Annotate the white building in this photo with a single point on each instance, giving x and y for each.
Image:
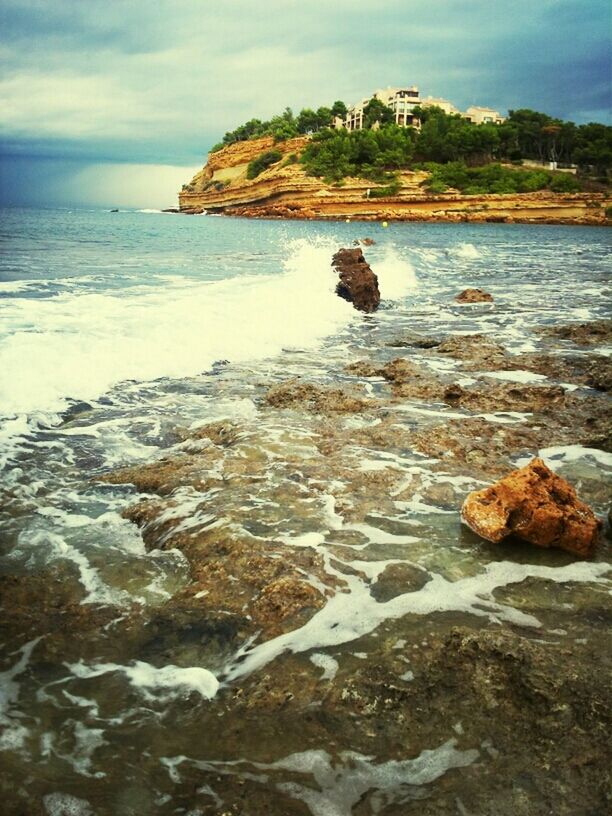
(481, 116)
(400, 100)
(403, 100)
(438, 102)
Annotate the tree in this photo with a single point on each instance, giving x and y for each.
(324, 117)
(307, 121)
(377, 111)
(339, 108)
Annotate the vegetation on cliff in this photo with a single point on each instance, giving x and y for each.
(262, 162)
(494, 178)
(382, 147)
(284, 126)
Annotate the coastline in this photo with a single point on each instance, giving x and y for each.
(285, 191)
(268, 547)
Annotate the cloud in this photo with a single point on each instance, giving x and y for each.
(131, 80)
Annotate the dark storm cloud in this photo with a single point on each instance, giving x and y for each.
(133, 80)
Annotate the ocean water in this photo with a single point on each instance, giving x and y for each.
(117, 328)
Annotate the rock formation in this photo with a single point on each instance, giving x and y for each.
(358, 284)
(536, 505)
(285, 191)
(474, 296)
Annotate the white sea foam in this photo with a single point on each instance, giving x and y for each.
(80, 345)
(342, 782)
(465, 250)
(350, 614)
(396, 276)
(516, 375)
(64, 804)
(326, 662)
(153, 683)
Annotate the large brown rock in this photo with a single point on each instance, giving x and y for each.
(535, 505)
(358, 284)
(474, 296)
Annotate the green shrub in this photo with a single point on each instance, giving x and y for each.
(389, 190)
(564, 183)
(262, 163)
(217, 147)
(493, 178)
(609, 213)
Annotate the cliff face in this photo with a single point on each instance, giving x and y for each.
(285, 191)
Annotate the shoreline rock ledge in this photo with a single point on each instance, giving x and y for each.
(535, 505)
(357, 284)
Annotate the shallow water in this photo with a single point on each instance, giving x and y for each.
(119, 328)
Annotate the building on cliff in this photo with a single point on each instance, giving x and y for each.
(402, 102)
(481, 116)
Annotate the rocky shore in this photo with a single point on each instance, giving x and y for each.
(396, 658)
(285, 191)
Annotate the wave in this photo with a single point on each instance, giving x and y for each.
(466, 251)
(78, 346)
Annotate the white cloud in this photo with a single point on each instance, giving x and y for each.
(124, 185)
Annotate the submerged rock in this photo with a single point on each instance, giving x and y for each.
(358, 284)
(536, 505)
(583, 334)
(474, 296)
(477, 350)
(294, 393)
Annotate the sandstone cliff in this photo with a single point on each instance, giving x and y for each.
(285, 191)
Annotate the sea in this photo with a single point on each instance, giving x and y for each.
(117, 328)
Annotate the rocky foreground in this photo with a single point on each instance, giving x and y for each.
(285, 191)
(464, 679)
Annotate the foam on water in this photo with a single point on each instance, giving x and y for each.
(153, 683)
(466, 251)
(350, 614)
(396, 275)
(78, 346)
(343, 781)
(64, 804)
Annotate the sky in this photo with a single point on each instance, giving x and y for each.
(116, 102)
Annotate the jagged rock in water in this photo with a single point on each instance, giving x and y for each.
(536, 505)
(358, 284)
(474, 296)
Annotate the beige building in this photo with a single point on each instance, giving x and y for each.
(403, 100)
(481, 116)
(400, 100)
(438, 102)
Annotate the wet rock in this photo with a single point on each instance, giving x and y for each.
(509, 397)
(414, 340)
(364, 368)
(401, 370)
(398, 579)
(598, 374)
(476, 349)
(535, 505)
(165, 475)
(474, 296)
(409, 380)
(474, 445)
(224, 434)
(286, 603)
(583, 334)
(294, 393)
(358, 284)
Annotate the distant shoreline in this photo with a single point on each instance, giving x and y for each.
(285, 191)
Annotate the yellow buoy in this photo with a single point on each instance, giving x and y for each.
(385, 224)
(348, 220)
